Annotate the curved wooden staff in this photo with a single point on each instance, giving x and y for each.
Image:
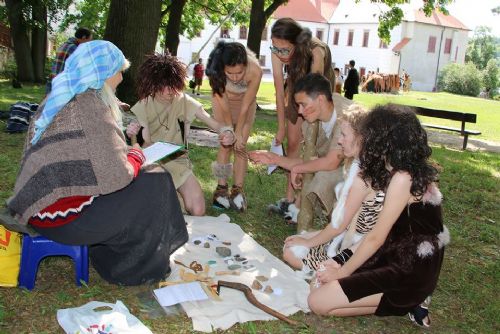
(251, 298)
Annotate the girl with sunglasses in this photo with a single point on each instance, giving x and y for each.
(295, 53)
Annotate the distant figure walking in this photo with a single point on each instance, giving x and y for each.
(351, 83)
(199, 70)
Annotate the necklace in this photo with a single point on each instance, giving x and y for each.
(158, 117)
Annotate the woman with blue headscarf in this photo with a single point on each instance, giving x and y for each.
(80, 184)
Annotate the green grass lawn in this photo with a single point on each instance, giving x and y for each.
(464, 301)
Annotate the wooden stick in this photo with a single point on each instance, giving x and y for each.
(251, 298)
(227, 272)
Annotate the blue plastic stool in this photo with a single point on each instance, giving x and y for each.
(34, 249)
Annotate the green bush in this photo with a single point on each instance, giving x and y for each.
(460, 79)
(490, 78)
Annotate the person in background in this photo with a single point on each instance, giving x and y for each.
(351, 83)
(82, 35)
(165, 113)
(339, 80)
(199, 71)
(80, 184)
(234, 74)
(295, 53)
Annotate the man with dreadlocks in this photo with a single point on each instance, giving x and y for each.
(165, 113)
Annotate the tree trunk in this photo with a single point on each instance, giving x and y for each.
(39, 41)
(306, 213)
(133, 27)
(258, 20)
(257, 25)
(19, 34)
(173, 28)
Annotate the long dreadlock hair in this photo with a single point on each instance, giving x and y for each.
(158, 72)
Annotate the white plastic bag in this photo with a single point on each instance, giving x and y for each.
(109, 318)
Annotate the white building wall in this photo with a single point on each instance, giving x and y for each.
(424, 66)
(372, 57)
(413, 58)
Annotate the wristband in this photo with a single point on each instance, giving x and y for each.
(230, 129)
(343, 256)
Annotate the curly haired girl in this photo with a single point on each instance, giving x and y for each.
(396, 266)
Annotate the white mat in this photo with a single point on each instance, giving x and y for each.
(210, 315)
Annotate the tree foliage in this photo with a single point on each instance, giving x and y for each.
(392, 17)
(462, 79)
(194, 13)
(91, 14)
(491, 80)
(481, 47)
(29, 21)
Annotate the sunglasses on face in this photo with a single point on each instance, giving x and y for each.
(282, 51)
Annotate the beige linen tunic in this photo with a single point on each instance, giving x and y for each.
(322, 186)
(163, 124)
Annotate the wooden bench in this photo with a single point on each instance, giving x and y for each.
(451, 115)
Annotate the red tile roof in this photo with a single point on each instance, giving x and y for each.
(439, 19)
(401, 44)
(307, 10)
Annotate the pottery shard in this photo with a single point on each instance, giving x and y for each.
(223, 251)
(227, 243)
(197, 242)
(262, 278)
(256, 285)
(206, 245)
(268, 289)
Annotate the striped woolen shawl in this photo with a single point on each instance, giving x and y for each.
(82, 152)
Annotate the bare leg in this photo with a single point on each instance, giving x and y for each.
(241, 156)
(192, 196)
(293, 137)
(330, 299)
(291, 259)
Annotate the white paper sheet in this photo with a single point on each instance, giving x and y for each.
(159, 150)
(278, 149)
(184, 292)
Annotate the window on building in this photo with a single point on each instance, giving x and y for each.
(346, 69)
(366, 35)
(447, 46)
(350, 37)
(362, 71)
(243, 32)
(382, 45)
(264, 34)
(456, 53)
(194, 57)
(336, 35)
(319, 34)
(224, 33)
(431, 47)
(262, 61)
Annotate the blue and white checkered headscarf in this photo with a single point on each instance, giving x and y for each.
(88, 67)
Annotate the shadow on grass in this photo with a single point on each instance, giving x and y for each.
(464, 301)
